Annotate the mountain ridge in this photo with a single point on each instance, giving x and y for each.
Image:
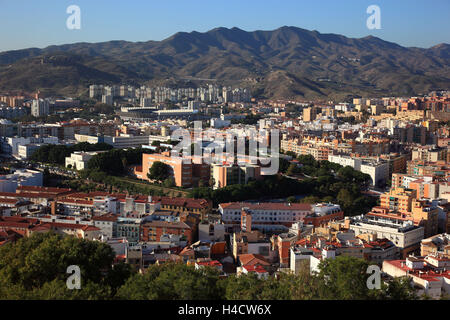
(305, 64)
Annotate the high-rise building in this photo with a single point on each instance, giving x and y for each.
(309, 114)
(228, 174)
(107, 99)
(40, 108)
(95, 91)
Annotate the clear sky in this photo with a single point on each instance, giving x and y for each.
(39, 23)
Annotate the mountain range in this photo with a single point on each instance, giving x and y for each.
(288, 62)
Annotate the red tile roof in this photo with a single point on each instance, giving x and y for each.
(252, 259)
(255, 268)
(42, 189)
(165, 224)
(213, 263)
(76, 202)
(426, 273)
(105, 217)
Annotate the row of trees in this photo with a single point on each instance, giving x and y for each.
(269, 187)
(56, 154)
(115, 161)
(36, 268)
(250, 119)
(332, 183)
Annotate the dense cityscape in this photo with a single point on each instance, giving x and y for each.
(158, 152)
(365, 180)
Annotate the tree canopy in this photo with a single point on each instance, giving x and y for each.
(159, 171)
(56, 154)
(36, 268)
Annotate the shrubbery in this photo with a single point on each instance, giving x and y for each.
(35, 268)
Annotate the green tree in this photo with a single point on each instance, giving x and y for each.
(399, 289)
(169, 182)
(245, 287)
(173, 281)
(292, 170)
(291, 199)
(159, 171)
(344, 278)
(35, 267)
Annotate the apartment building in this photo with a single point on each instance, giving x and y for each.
(211, 232)
(345, 161)
(401, 231)
(264, 216)
(310, 114)
(430, 274)
(398, 199)
(153, 231)
(429, 154)
(226, 174)
(251, 242)
(181, 170)
(377, 170)
(436, 245)
(79, 160)
(24, 177)
(40, 108)
(107, 223)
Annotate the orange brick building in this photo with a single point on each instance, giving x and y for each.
(184, 172)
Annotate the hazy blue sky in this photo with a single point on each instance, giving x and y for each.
(39, 23)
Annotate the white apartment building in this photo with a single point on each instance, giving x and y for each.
(402, 233)
(40, 108)
(106, 204)
(265, 216)
(78, 160)
(209, 232)
(87, 138)
(377, 170)
(11, 145)
(344, 161)
(26, 151)
(345, 107)
(298, 257)
(314, 261)
(127, 141)
(10, 182)
(107, 225)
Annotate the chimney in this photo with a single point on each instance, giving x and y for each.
(53, 208)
